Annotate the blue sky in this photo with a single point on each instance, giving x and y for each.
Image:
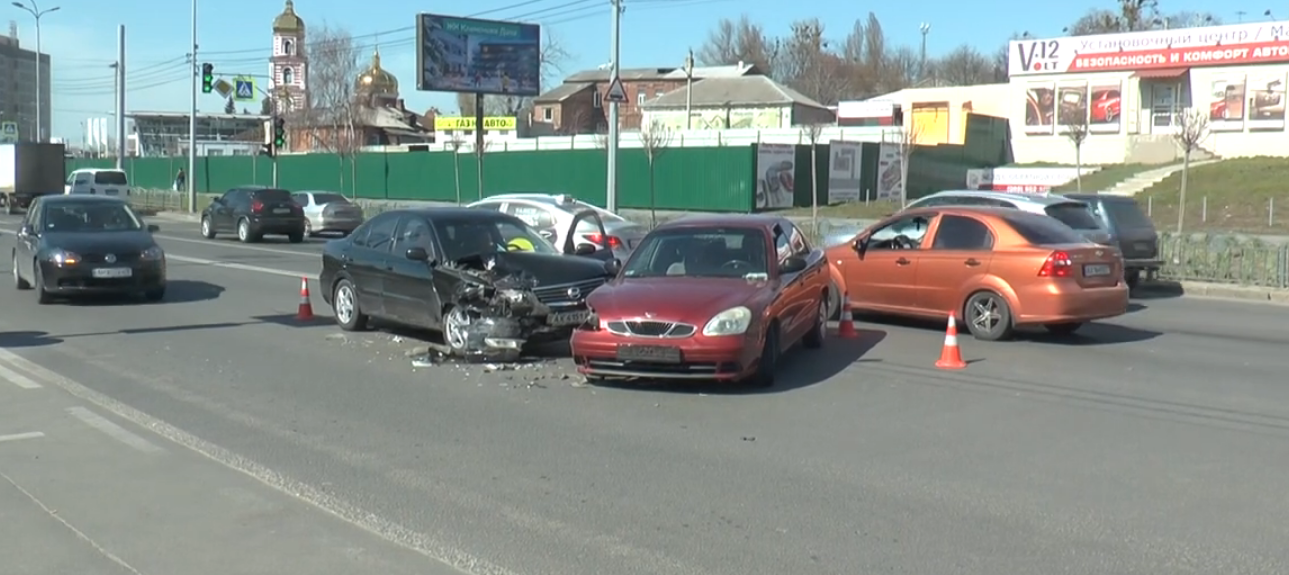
(236, 34)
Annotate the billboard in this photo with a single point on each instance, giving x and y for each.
(477, 56)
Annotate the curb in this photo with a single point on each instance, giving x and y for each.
(1263, 294)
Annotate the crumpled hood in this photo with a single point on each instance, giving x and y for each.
(547, 269)
(688, 300)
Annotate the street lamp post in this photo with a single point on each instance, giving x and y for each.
(36, 13)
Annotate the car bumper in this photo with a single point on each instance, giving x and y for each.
(267, 225)
(79, 279)
(1074, 304)
(702, 358)
(1142, 264)
(336, 224)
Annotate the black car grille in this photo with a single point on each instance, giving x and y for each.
(651, 328)
(569, 294)
(121, 258)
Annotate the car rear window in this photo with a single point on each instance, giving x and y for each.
(110, 178)
(272, 195)
(329, 199)
(1127, 214)
(1042, 231)
(1075, 215)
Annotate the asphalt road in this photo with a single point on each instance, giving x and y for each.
(1154, 443)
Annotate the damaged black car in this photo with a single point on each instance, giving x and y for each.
(489, 282)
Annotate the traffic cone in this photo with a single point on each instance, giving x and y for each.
(950, 356)
(846, 324)
(305, 312)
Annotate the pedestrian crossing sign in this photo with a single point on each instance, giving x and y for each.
(245, 89)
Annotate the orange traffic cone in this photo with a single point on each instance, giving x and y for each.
(305, 312)
(950, 356)
(846, 324)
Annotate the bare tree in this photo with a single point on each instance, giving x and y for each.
(1191, 131)
(654, 138)
(1076, 129)
(455, 145)
(334, 112)
(1137, 15)
(812, 132)
(906, 139)
(965, 66)
(734, 41)
(808, 64)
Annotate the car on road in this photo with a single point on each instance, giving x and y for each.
(98, 181)
(995, 268)
(489, 282)
(550, 215)
(75, 245)
(252, 212)
(328, 212)
(1073, 213)
(1130, 229)
(708, 297)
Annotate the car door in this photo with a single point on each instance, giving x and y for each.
(409, 285)
(25, 244)
(582, 219)
(369, 262)
(796, 298)
(882, 273)
(960, 252)
(221, 212)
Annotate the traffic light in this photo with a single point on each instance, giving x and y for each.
(207, 78)
(279, 133)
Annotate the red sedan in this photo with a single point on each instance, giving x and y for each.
(708, 297)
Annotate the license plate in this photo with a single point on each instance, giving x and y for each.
(281, 210)
(567, 318)
(111, 192)
(1094, 270)
(113, 273)
(650, 353)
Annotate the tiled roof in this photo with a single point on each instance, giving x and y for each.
(559, 93)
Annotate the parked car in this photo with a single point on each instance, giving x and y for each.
(486, 280)
(1073, 213)
(73, 245)
(253, 212)
(328, 212)
(550, 215)
(708, 297)
(98, 181)
(996, 268)
(1130, 229)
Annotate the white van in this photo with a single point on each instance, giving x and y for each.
(97, 181)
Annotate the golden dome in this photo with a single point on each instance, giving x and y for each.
(375, 80)
(287, 21)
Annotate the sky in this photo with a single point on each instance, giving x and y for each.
(235, 36)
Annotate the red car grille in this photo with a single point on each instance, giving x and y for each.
(651, 328)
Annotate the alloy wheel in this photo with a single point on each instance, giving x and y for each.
(986, 316)
(345, 307)
(455, 328)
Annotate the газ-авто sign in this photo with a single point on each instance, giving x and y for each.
(1256, 43)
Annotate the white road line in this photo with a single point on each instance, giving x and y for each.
(20, 436)
(209, 243)
(18, 379)
(113, 430)
(242, 267)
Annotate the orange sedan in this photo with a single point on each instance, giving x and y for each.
(996, 269)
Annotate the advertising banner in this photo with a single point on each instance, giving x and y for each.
(890, 172)
(477, 56)
(446, 123)
(843, 171)
(1267, 101)
(775, 173)
(1226, 104)
(1022, 180)
(1040, 108)
(1103, 109)
(1071, 105)
(1246, 43)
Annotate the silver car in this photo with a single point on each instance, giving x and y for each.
(1070, 212)
(328, 212)
(552, 214)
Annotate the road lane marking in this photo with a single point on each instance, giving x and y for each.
(242, 267)
(81, 534)
(18, 379)
(215, 243)
(21, 436)
(113, 430)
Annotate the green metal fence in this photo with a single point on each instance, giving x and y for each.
(1225, 259)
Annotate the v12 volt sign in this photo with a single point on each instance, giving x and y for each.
(1039, 55)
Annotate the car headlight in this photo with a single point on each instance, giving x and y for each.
(733, 321)
(64, 257)
(153, 253)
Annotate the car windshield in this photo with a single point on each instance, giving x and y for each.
(1127, 214)
(321, 199)
(1043, 231)
(90, 217)
(465, 237)
(110, 177)
(700, 252)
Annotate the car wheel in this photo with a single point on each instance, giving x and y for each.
(1063, 328)
(819, 329)
(42, 296)
(296, 237)
(456, 330)
(344, 305)
(988, 317)
(155, 294)
(308, 228)
(244, 231)
(18, 282)
(769, 362)
(1132, 278)
(834, 303)
(207, 229)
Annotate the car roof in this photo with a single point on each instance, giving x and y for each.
(79, 199)
(455, 213)
(1035, 199)
(762, 221)
(964, 210)
(1085, 197)
(92, 170)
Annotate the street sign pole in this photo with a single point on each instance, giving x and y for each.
(611, 193)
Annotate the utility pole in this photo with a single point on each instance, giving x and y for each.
(120, 97)
(925, 29)
(611, 194)
(191, 177)
(689, 90)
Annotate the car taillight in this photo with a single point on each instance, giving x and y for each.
(296, 209)
(257, 206)
(614, 242)
(1057, 265)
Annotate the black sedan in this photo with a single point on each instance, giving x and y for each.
(82, 245)
(485, 279)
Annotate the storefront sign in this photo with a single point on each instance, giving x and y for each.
(443, 124)
(1254, 43)
(1023, 180)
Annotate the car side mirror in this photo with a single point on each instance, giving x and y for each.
(25, 230)
(860, 246)
(585, 249)
(153, 228)
(613, 267)
(216, 201)
(417, 254)
(792, 265)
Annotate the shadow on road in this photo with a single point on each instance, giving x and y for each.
(12, 339)
(177, 291)
(1092, 334)
(1159, 289)
(276, 241)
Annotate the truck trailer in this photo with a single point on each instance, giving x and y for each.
(29, 170)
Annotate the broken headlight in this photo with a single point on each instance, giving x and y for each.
(513, 295)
